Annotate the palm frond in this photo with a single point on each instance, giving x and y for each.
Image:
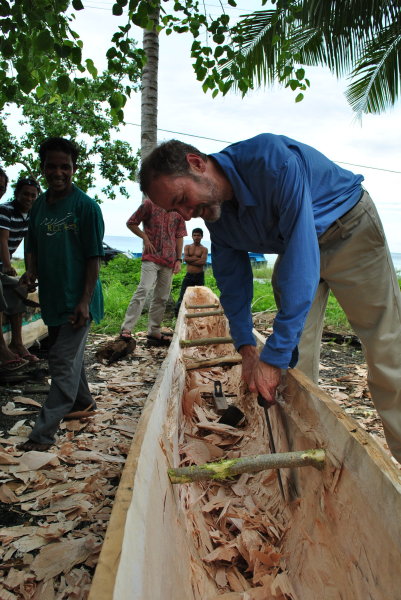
(357, 36)
(376, 79)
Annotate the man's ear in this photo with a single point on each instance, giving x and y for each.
(197, 163)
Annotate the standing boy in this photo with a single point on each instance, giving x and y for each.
(64, 249)
(195, 256)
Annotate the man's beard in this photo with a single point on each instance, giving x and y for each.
(210, 209)
(213, 213)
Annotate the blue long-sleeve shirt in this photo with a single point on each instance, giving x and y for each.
(286, 194)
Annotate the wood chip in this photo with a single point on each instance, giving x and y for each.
(60, 557)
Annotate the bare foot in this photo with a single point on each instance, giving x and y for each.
(31, 445)
(6, 355)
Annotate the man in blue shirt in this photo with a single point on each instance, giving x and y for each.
(272, 194)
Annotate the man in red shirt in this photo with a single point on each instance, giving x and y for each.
(163, 234)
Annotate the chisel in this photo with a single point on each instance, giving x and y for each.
(266, 405)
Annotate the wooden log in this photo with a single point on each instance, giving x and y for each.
(213, 362)
(202, 306)
(209, 313)
(249, 464)
(206, 341)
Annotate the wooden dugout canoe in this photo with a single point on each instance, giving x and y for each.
(337, 536)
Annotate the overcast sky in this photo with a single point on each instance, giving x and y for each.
(323, 120)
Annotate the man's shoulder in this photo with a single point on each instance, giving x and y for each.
(85, 203)
(146, 209)
(82, 196)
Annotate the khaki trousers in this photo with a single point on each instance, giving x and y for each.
(356, 265)
(152, 276)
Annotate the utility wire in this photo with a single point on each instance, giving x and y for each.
(202, 137)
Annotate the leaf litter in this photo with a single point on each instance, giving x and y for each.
(56, 504)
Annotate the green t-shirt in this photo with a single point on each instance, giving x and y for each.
(63, 236)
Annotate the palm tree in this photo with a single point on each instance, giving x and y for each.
(149, 95)
(354, 38)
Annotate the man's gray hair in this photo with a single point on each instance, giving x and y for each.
(170, 158)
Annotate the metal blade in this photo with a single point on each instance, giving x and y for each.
(262, 402)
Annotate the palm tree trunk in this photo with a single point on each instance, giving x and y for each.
(149, 88)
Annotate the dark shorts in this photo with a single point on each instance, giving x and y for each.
(11, 302)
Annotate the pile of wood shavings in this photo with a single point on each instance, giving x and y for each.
(235, 527)
(63, 498)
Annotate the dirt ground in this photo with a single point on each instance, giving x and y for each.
(55, 505)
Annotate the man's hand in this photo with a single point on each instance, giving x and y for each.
(148, 247)
(259, 376)
(9, 271)
(80, 317)
(177, 267)
(28, 279)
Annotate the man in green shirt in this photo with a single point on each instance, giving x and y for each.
(64, 249)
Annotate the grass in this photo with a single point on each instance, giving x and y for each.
(121, 276)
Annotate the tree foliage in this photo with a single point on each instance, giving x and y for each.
(41, 55)
(89, 123)
(354, 38)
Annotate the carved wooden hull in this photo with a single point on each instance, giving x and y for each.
(33, 327)
(337, 534)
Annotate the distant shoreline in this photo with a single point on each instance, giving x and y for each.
(134, 244)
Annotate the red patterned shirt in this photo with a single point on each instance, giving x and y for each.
(162, 229)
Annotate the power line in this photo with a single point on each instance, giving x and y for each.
(202, 137)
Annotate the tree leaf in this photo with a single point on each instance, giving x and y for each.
(63, 84)
(77, 5)
(91, 67)
(26, 82)
(44, 41)
(40, 92)
(117, 100)
(117, 10)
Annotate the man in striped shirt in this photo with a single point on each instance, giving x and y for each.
(13, 228)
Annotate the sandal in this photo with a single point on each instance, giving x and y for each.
(29, 357)
(12, 365)
(155, 341)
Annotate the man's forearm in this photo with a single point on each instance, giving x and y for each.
(91, 276)
(178, 246)
(30, 264)
(196, 261)
(136, 230)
